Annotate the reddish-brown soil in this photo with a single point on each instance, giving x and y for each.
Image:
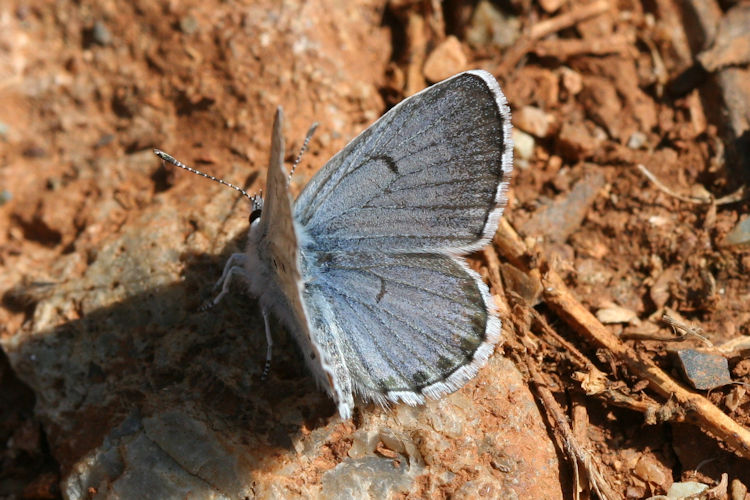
(87, 89)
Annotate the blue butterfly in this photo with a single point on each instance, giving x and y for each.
(365, 267)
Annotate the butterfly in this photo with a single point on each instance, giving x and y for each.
(364, 268)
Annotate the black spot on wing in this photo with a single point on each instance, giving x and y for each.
(389, 161)
(381, 293)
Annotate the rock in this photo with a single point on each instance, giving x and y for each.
(369, 477)
(551, 6)
(188, 24)
(575, 142)
(599, 97)
(737, 490)
(101, 34)
(490, 26)
(686, 489)
(740, 235)
(637, 140)
(571, 80)
(616, 314)
(650, 470)
(704, 370)
(445, 60)
(523, 147)
(533, 120)
(527, 286)
(660, 291)
(731, 46)
(556, 221)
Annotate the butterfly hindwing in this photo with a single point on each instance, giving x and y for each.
(408, 325)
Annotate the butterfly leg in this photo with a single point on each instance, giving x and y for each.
(235, 267)
(234, 260)
(269, 342)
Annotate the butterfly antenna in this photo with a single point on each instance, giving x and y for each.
(302, 150)
(171, 159)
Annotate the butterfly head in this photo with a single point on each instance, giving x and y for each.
(257, 207)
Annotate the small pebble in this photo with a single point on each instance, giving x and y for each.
(737, 490)
(101, 34)
(575, 142)
(649, 470)
(53, 183)
(489, 25)
(5, 196)
(616, 314)
(188, 24)
(740, 235)
(523, 144)
(533, 120)
(637, 140)
(571, 80)
(686, 489)
(704, 370)
(551, 6)
(34, 152)
(104, 140)
(446, 60)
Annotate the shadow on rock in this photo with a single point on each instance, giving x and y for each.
(143, 396)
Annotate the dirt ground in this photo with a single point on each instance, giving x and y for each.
(632, 150)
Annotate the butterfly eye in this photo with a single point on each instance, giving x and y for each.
(255, 214)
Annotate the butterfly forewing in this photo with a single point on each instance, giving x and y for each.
(280, 245)
(429, 175)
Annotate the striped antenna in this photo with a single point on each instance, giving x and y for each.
(302, 150)
(254, 199)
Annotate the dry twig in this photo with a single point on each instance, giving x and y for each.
(601, 387)
(703, 412)
(577, 14)
(735, 197)
(680, 328)
(541, 29)
(579, 455)
(662, 187)
(685, 330)
(567, 48)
